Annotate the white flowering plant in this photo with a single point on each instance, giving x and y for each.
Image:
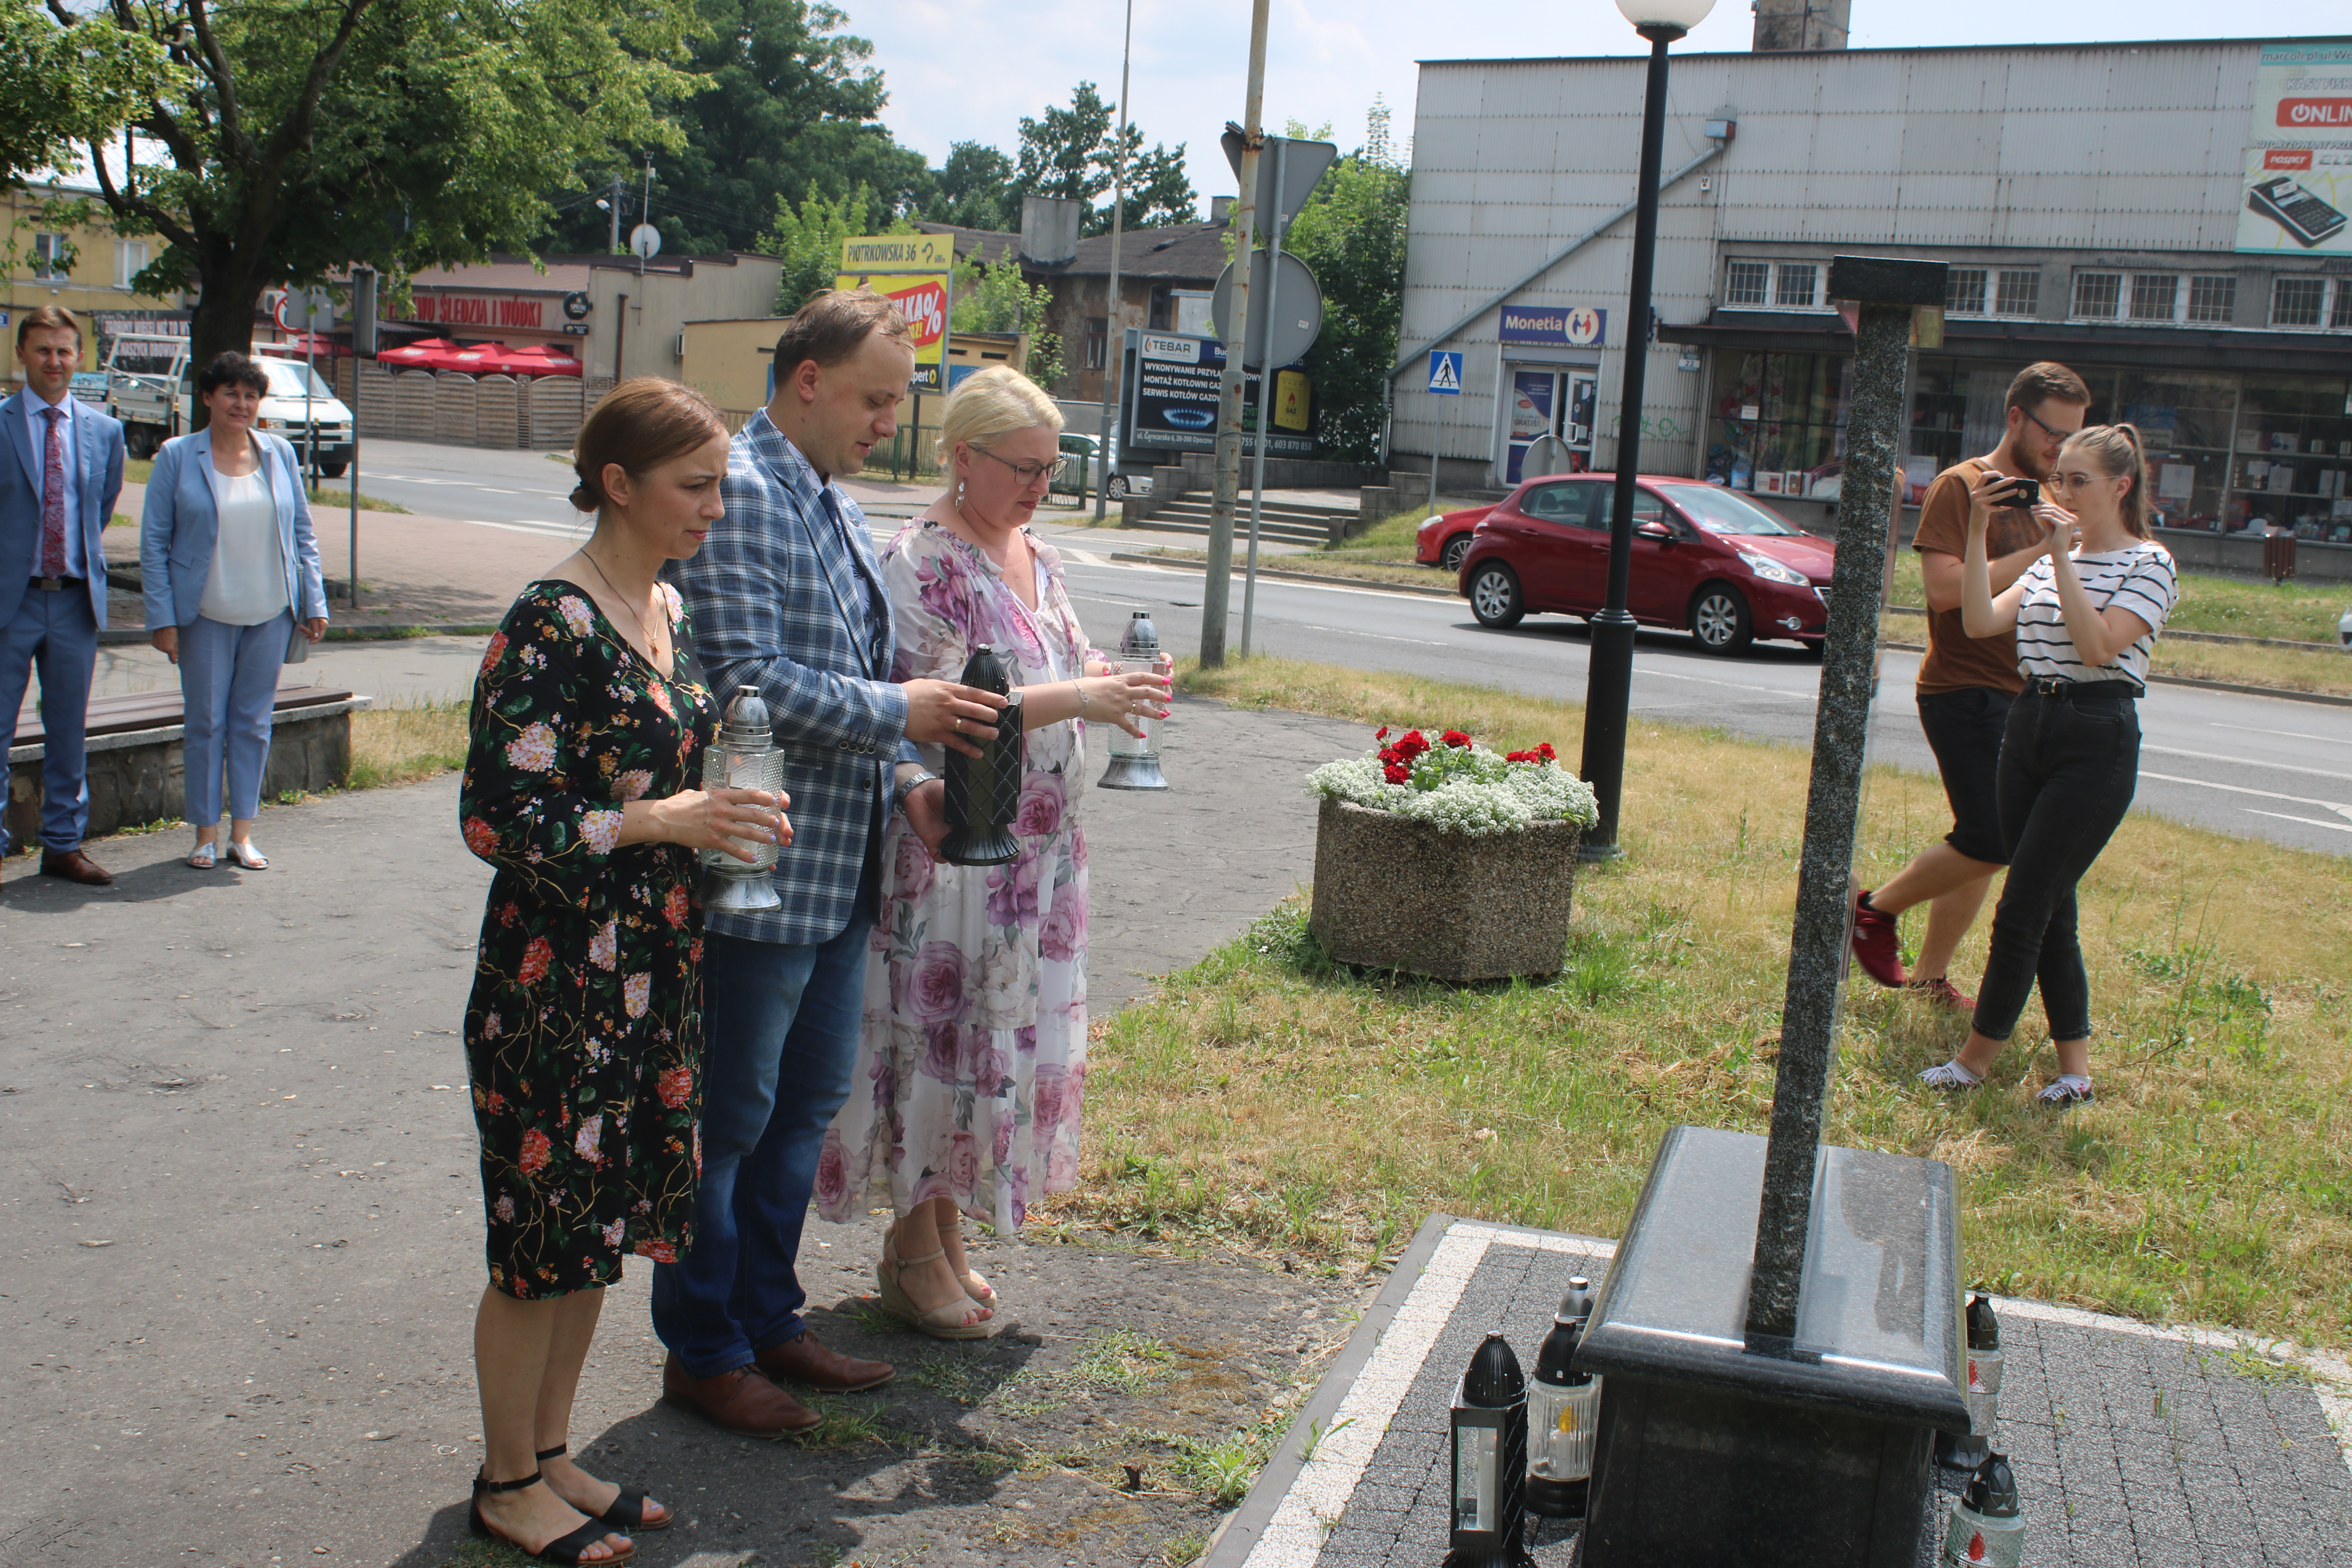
(1458, 786)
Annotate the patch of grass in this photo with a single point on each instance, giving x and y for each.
(2295, 610)
(1327, 564)
(2323, 670)
(1181, 1551)
(1270, 1098)
(139, 471)
(404, 742)
(1120, 1360)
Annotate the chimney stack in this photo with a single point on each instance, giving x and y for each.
(1220, 209)
(1786, 25)
(1049, 228)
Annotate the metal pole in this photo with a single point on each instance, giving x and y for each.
(615, 202)
(1111, 354)
(1609, 680)
(1216, 593)
(1266, 383)
(309, 376)
(353, 561)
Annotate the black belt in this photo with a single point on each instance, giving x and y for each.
(58, 584)
(2086, 690)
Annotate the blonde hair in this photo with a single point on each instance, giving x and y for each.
(2117, 450)
(995, 401)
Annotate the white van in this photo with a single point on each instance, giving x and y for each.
(151, 388)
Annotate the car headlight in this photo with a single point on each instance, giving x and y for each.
(1771, 570)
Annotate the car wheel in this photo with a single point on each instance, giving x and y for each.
(1720, 621)
(1455, 549)
(1495, 596)
(1118, 487)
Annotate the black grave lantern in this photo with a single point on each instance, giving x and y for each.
(984, 792)
(1490, 1457)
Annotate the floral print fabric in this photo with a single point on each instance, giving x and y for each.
(972, 1065)
(583, 1033)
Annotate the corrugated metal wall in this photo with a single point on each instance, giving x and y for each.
(2097, 147)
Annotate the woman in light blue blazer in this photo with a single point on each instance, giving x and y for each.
(229, 563)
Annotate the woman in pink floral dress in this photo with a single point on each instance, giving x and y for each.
(973, 1063)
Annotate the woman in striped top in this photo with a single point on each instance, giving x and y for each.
(2086, 621)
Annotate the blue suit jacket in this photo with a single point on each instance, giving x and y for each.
(783, 600)
(97, 448)
(180, 529)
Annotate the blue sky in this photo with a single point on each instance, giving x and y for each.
(969, 69)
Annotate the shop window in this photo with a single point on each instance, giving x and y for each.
(2021, 294)
(2293, 465)
(1798, 282)
(2342, 315)
(2154, 296)
(2097, 294)
(1749, 283)
(1098, 340)
(129, 260)
(2212, 299)
(2298, 301)
(51, 256)
(1777, 422)
(1964, 291)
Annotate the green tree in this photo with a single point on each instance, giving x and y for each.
(1072, 154)
(784, 104)
(67, 80)
(999, 299)
(319, 133)
(807, 239)
(976, 189)
(1351, 234)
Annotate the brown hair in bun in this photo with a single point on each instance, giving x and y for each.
(643, 422)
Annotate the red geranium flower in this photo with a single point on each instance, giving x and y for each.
(1412, 744)
(1455, 738)
(1546, 753)
(1382, 733)
(1397, 774)
(1391, 755)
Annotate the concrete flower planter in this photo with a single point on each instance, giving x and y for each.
(1394, 893)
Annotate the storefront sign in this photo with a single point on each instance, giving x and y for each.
(475, 311)
(1573, 326)
(916, 272)
(1174, 405)
(2297, 199)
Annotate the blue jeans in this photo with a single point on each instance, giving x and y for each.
(775, 1016)
(55, 634)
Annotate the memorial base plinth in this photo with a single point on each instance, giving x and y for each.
(1718, 1450)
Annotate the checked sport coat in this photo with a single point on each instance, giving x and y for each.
(786, 595)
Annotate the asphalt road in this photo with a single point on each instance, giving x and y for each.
(2264, 767)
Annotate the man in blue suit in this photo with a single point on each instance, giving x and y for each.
(59, 477)
(787, 599)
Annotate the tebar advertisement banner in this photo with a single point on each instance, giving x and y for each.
(1174, 407)
(915, 270)
(2298, 181)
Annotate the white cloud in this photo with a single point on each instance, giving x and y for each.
(962, 70)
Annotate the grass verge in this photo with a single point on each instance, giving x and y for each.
(137, 471)
(1267, 1097)
(404, 742)
(2231, 606)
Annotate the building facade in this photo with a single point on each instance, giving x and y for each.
(2098, 205)
(86, 267)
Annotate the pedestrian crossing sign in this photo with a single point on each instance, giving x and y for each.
(1445, 372)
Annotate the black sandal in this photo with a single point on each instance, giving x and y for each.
(628, 1510)
(564, 1551)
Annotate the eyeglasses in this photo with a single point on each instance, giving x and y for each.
(2047, 428)
(2070, 481)
(1027, 473)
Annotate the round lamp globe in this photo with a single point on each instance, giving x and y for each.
(1679, 15)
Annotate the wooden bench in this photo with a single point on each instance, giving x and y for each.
(136, 773)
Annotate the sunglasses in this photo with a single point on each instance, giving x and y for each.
(1027, 473)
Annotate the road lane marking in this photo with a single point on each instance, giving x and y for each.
(2310, 821)
(2250, 763)
(2335, 806)
(2290, 734)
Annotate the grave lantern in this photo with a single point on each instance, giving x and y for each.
(744, 756)
(984, 792)
(1954, 1452)
(1490, 1457)
(1134, 762)
(1563, 1413)
(1986, 1530)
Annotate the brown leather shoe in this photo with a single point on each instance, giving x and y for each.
(742, 1401)
(76, 867)
(804, 1361)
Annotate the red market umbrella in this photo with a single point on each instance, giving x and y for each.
(537, 359)
(422, 354)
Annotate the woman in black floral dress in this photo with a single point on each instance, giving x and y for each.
(583, 1033)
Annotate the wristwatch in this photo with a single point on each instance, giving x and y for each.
(898, 795)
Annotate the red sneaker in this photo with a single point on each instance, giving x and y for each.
(1943, 994)
(1876, 943)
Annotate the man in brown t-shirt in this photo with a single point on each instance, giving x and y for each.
(1965, 687)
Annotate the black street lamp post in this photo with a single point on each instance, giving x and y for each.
(1609, 679)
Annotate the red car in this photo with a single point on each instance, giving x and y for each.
(1705, 560)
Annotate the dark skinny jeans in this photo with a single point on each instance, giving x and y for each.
(2069, 763)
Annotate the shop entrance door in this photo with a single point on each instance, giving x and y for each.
(1554, 403)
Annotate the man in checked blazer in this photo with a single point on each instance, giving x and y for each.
(786, 598)
(60, 474)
